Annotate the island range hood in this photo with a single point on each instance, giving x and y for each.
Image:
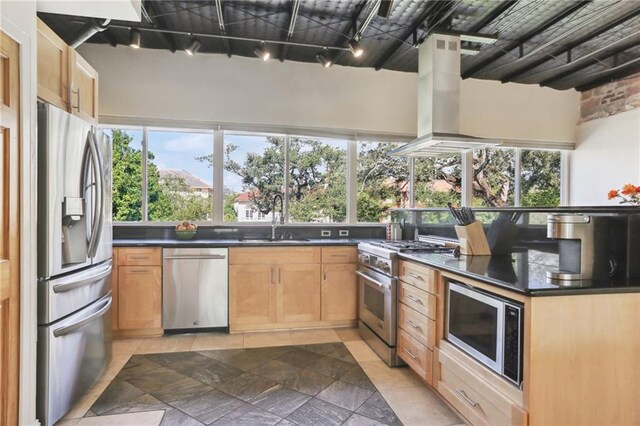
(439, 102)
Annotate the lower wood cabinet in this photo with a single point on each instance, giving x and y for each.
(298, 295)
(339, 292)
(252, 294)
(139, 297)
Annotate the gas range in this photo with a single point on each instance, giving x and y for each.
(381, 256)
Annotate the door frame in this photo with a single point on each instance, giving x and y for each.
(28, 231)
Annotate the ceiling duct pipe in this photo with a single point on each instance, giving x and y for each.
(88, 30)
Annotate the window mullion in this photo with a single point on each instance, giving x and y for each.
(145, 175)
(517, 178)
(467, 178)
(352, 184)
(218, 171)
(287, 176)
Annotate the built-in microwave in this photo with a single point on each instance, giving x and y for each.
(487, 327)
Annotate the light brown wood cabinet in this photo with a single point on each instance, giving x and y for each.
(65, 79)
(137, 291)
(289, 287)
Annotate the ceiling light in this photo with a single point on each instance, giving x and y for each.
(193, 47)
(471, 51)
(355, 48)
(478, 38)
(134, 38)
(261, 52)
(323, 58)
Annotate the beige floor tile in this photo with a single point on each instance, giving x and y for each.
(419, 406)
(147, 418)
(268, 338)
(126, 346)
(385, 377)
(309, 337)
(82, 406)
(69, 422)
(211, 341)
(177, 343)
(361, 351)
(348, 334)
(114, 367)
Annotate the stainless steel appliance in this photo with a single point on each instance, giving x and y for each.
(74, 260)
(378, 282)
(487, 327)
(195, 289)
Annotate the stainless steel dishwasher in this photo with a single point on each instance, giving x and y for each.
(195, 289)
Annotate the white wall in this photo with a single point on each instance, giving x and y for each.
(607, 156)
(18, 20)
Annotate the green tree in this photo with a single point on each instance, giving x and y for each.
(230, 215)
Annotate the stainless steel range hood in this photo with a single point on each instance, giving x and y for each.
(439, 102)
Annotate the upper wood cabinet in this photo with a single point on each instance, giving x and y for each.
(65, 79)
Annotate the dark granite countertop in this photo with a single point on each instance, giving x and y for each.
(168, 242)
(523, 272)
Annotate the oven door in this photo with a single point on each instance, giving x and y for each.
(475, 323)
(377, 308)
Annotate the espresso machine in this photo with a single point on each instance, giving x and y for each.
(588, 246)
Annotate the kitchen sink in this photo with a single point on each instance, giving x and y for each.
(269, 240)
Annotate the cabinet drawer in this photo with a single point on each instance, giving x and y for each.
(140, 256)
(421, 301)
(339, 254)
(273, 255)
(418, 356)
(418, 275)
(473, 397)
(417, 325)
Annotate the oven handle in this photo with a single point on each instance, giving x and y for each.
(368, 278)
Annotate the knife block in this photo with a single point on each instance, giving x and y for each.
(473, 240)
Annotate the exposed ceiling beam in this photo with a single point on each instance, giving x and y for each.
(408, 33)
(293, 16)
(569, 46)
(223, 31)
(149, 10)
(352, 30)
(582, 63)
(497, 11)
(501, 51)
(616, 73)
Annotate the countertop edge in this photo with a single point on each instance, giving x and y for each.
(229, 243)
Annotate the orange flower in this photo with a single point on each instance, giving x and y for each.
(629, 189)
(613, 194)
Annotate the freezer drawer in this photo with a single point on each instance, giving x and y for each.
(72, 355)
(194, 288)
(60, 297)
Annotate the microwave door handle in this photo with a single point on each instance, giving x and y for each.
(98, 199)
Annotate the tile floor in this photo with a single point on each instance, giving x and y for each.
(287, 373)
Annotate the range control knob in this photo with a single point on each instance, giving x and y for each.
(383, 266)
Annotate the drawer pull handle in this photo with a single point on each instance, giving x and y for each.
(466, 398)
(139, 271)
(417, 277)
(410, 354)
(415, 299)
(139, 257)
(414, 325)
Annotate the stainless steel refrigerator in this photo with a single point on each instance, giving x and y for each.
(74, 260)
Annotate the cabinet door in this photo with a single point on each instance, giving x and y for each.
(84, 88)
(53, 67)
(251, 294)
(139, 297)
(339, 292)
(298, 298)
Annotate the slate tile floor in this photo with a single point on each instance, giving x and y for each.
(315, 384)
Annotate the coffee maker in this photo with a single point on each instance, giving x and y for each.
(587, 246)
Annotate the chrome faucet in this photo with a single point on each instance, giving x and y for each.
(273, 215)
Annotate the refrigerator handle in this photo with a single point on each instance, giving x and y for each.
(68, 286)
(71, 327)
(97, 221)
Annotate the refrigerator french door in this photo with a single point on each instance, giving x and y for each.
(74, 259)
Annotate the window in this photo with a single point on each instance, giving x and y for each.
(540, 181)
(180, 176)
(127, 174)
(253, 175)
(317, 180)
(438, 181)
(382, 181)
(494, 177)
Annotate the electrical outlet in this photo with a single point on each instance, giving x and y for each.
(325, 233)
(344, 232)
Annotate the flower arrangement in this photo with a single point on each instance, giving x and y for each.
(629, 194)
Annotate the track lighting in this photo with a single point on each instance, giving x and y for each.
(193, 47)
(261, 52)
(134, 38)
(323, 58)
(355, 48)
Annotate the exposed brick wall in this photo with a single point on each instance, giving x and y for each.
(610, 99)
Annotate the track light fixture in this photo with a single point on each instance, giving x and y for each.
(193, 47)
(261, 51)
(134, 38)
(323, 57)
(355, 48)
